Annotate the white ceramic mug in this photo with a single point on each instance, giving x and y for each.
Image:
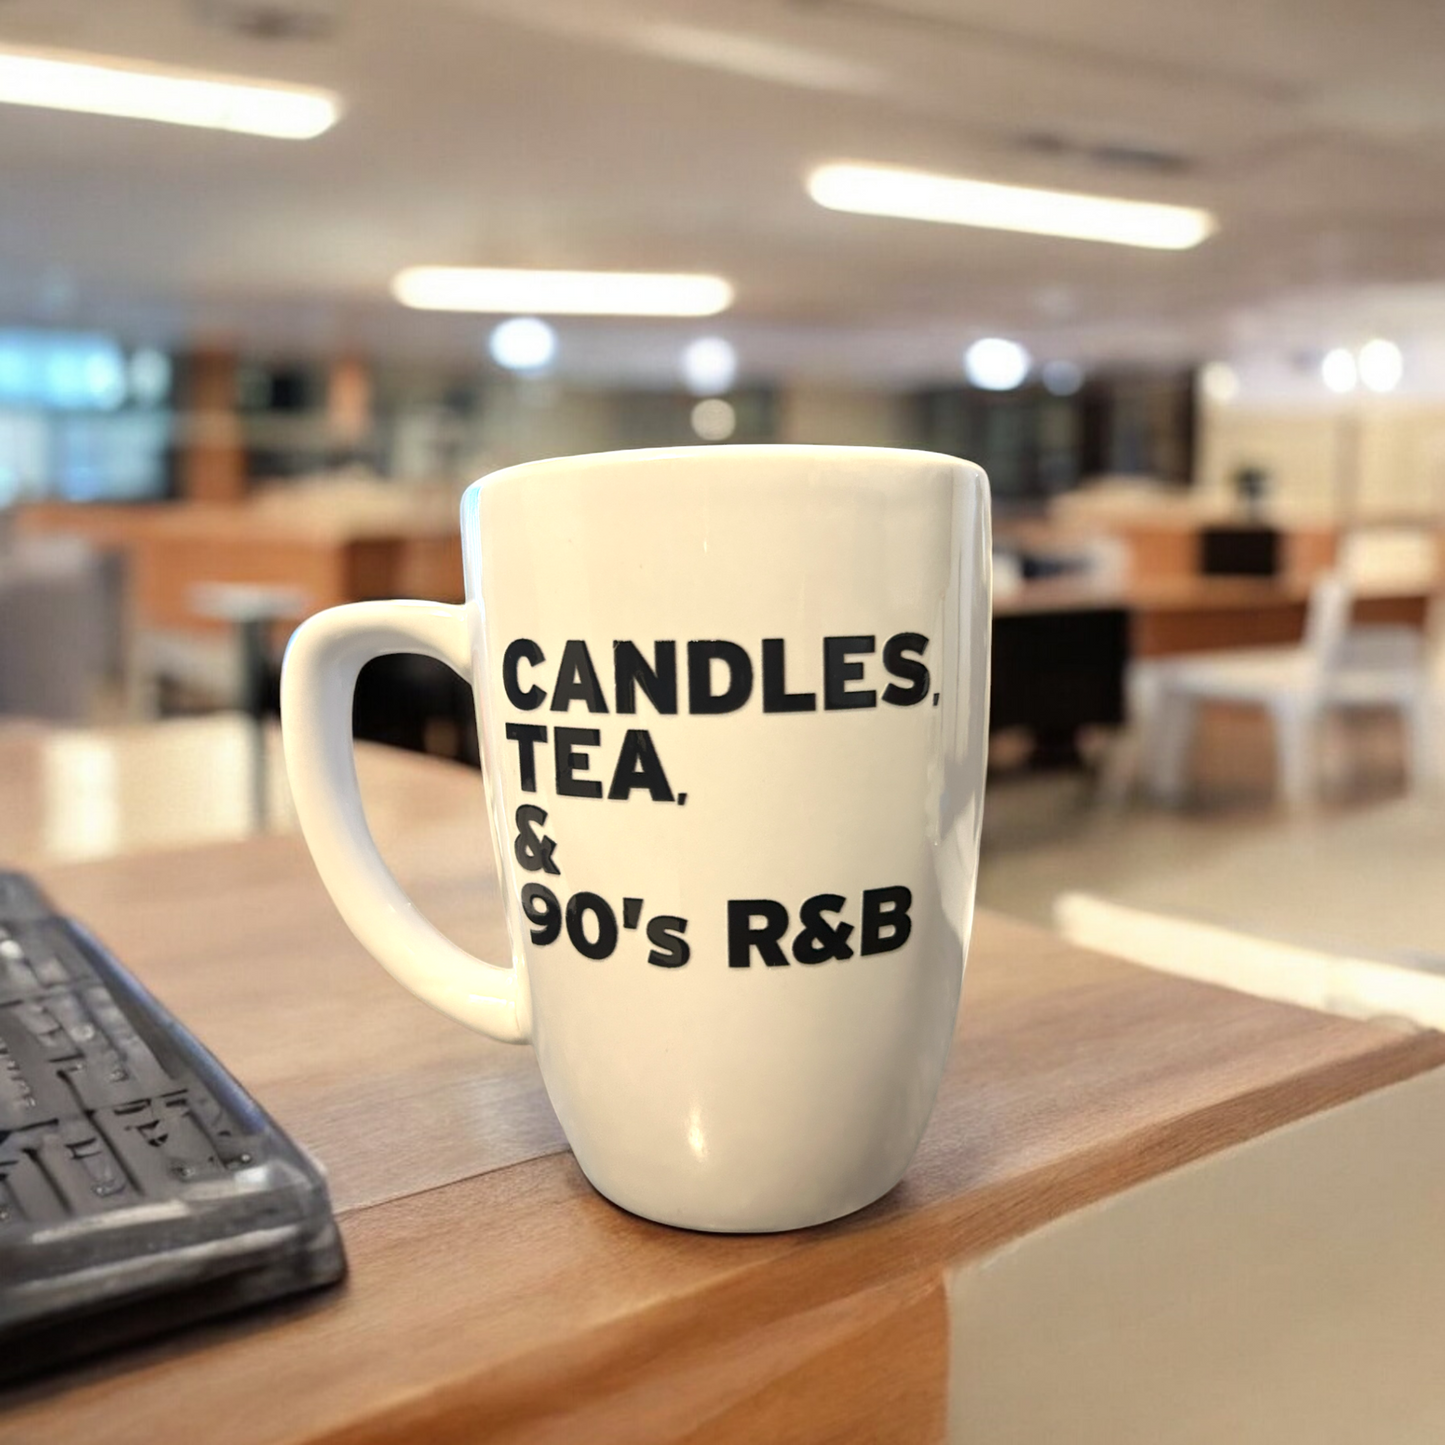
(733, 715)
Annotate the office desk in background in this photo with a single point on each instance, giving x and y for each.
(1062, 647)
(172, 548)
(494, 1296)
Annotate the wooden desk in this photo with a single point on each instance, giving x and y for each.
(494, 1296)
(1206, 614)
(1062, 646)
(1161, 545)
(1169, 549)
(1197, 614)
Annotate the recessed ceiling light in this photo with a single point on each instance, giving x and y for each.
(714, 420)
(561, 293)
(1338, 370)
(1062, 378)
(996, 364)
(709, 365)
(874, 190)
(1380, 365)
(100, 85)
(1219, 382)
(758, 59)
(523, 343)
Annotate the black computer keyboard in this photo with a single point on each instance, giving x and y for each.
(140, 1187)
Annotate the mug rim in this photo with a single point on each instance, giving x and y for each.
(899, 457)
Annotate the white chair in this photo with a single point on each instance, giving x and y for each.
(1331, 669)
(1391, 558)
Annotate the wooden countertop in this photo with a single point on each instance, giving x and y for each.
(330, 555)
(494, 1296)
(237, 522)
(1173, 594)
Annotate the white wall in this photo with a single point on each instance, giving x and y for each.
(1362, 457)
(1337, 457)
(843, 416)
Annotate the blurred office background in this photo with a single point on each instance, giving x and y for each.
(1214, 419)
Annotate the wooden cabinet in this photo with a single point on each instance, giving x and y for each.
(170, 548)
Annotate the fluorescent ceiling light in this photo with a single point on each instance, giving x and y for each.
(561, 293)
(98, 85)
(872, 190)
(714, 420)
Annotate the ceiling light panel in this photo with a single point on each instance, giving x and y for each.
(561, 293)
(99, 85)
(877, 190)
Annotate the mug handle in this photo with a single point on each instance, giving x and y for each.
(318, 681)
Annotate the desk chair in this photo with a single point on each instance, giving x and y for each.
(1332, 668)
(1388, 558)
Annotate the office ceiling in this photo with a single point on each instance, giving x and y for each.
(674, 134)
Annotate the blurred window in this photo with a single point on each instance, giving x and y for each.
(1036, 445)
(1029, 440)
(80, 420)
(61, 371)
(24, 456)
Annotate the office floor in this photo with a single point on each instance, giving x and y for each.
(1360, 872)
